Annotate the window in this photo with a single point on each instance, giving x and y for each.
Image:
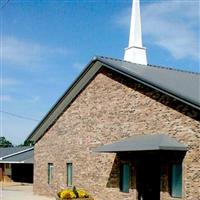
(69, 174)
(50, 173)
(8, 170)
(8, 165)
(176, 180)
(124, 177)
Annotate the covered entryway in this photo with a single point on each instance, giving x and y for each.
(16, 164)
(150, 156)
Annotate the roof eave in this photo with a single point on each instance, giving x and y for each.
(141, 150)
(53, 108)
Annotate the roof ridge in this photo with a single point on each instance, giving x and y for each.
(149, 65)
(116, 59)
(173, 69)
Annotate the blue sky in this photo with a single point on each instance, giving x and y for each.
(45, 45)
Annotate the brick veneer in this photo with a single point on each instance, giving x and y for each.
(110, 108)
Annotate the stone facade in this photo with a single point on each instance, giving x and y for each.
(110, 108)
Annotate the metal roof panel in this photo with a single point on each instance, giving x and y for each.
(183, 84)
(23, 157)
(143, 143)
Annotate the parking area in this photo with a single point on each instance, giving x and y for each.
(20, 192)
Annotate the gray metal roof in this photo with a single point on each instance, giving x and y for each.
(11, 150)
(143, 143)
(17, 155)
(182, 85)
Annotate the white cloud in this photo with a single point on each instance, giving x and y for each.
(123, 18)
(172, 25)
(5, 98)
(26, 54)
(5, 82)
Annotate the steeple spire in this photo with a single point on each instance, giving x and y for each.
(135, 52)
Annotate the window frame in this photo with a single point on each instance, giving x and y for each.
(69, 181)
(50, 173)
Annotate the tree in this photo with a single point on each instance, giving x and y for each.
(26, 143)
(5, 143)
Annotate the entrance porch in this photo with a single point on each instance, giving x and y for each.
(150, 165)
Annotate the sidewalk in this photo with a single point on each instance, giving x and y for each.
(16, 191)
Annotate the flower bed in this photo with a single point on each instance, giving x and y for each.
(88, 198)
(73, 194)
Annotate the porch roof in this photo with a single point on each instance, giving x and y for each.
(143, 143)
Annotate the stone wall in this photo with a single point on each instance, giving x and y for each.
(111, 108)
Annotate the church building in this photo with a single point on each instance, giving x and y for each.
(123, 130)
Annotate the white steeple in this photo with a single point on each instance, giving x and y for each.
(135, 52)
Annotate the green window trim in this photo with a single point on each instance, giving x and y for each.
(69, 174)
(50, 173)
(176, 181)
(124, 177)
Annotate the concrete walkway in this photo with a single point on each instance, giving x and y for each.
(20, 192)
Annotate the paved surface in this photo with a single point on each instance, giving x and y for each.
(20, 192)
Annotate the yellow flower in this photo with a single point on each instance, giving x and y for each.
(67, 194)
(82, 194)
(72, 195)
